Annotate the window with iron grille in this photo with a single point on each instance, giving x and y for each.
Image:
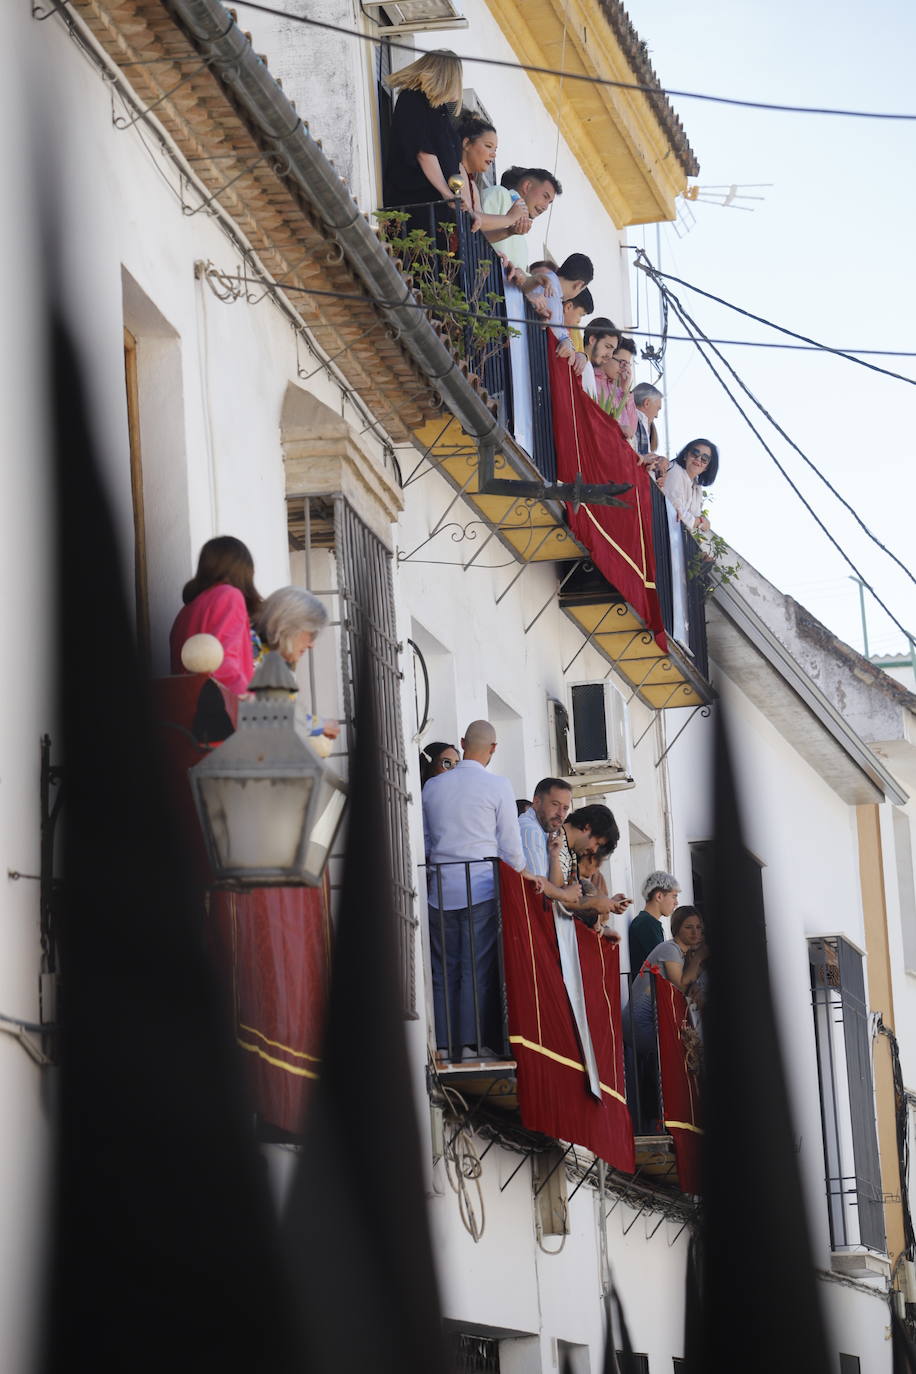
(634, 1364)
(385, 98)
(680, 1366)
(853, 1172)
(474, 1354)
(849, 1364)
(364, 591)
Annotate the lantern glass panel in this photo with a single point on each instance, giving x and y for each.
(257, 823)
(331, 802)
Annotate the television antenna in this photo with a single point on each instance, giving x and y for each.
(727, 196)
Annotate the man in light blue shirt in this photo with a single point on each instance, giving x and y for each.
(468, 815)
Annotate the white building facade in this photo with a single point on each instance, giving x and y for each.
(243, 382)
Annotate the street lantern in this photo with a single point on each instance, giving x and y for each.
(269, 807)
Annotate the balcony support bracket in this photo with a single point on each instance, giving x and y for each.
(703, 710)
(576, 494)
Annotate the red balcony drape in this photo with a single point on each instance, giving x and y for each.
(553, 1095)
(680, 1087)
(619, 538)
(272, 947)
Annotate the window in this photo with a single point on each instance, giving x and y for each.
(157, 471)
(636, 1364)
(680, 1366)
(854, 1197)
(361, 565)
(509, 759)
(141, 577)
(474, 1354)
(903, 850)
(849, 1364)
(385, 97)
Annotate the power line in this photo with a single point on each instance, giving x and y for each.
(794, 348)
(580, 76)
(791, 442)
(483, 318)
(781, 329)
(698, 336)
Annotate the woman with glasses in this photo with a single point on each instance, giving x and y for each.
(437, 758)
(695, 468)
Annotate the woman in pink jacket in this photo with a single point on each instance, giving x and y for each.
(220, 600)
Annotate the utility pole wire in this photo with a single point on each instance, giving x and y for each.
(698, 336)
(781, 329)
(791, 442)
(657, 90)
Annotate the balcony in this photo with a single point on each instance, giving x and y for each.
(506, 1037)
(661, 680)
(538, 531)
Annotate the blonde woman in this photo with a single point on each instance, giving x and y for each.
(423, 147)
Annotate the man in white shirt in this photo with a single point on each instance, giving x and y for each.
(468, 814)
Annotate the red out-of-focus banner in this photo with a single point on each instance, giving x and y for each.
(272, 947)
(553, 1093)
(619, 538)
(680, 1087)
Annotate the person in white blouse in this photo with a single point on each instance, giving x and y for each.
(694, 469)
(469, 819)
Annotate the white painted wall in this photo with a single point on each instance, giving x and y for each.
(216, 376)
(27, 664)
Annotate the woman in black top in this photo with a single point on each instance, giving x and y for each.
(423, 148)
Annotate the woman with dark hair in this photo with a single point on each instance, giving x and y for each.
(437, 758)
(220, 600)
(694, 468)
(478, 153)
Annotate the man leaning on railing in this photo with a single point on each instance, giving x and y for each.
(469, 819)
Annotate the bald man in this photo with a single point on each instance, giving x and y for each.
(468, 814)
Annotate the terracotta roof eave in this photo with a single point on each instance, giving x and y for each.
(638, 57)
(274, 124)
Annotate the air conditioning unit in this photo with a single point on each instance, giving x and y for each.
(413, 16)
(590, 742)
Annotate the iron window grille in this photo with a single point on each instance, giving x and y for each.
(475, 1354)
(853, 1173)
(364, 590)
(632, 1364)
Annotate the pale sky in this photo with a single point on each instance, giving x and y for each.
(829, 252)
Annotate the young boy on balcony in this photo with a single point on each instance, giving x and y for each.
(564, 283)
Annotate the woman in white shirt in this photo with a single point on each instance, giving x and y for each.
(694, 469)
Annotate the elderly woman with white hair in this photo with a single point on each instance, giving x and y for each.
(290, 620)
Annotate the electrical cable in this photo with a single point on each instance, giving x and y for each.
(791, 443)
(646, 266)
(793, 348)
(810, 509)
(781, 329)
(463, 1165)
(481, 316)
(582, 77)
